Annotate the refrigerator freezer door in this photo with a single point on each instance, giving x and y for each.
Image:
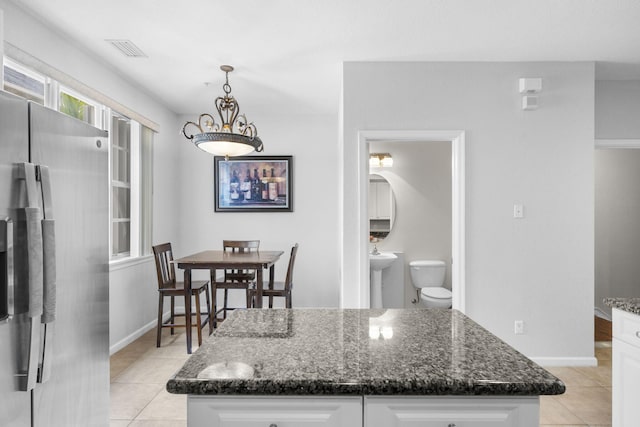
(77, 392)
(15, 407)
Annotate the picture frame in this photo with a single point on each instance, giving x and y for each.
(253, 184)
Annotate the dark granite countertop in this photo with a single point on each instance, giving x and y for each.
(631, 305)
(344, 352)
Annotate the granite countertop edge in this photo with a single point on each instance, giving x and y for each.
(630, 305)
(362, 388)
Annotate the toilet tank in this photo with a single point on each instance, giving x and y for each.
(427, 273)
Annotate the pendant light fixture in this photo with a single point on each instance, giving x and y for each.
(233, 136)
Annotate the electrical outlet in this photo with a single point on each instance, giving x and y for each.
(518, 327)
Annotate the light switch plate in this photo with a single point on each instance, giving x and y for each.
(518, 211)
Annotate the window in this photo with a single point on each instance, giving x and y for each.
(75, 107)
(23, 82)
(120, 136)
(130, 154)
(131, 187)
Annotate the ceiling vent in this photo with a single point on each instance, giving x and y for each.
(127, 48)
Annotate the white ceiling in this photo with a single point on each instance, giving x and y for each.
(288, 53)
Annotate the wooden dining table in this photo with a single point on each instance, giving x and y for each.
(219, 259)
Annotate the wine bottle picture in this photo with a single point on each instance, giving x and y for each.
(265, 185)
(273, 187)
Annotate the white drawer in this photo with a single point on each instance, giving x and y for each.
(626, 327)
(474, 411)
(225, 411)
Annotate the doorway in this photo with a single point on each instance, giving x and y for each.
(457, 140)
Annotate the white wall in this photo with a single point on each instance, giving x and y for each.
(132, 290)
(311, 140)
(421, 182)
(617, 199)
(617, 233)
(617, 108)
(538, 269)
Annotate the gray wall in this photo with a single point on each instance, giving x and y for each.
(539, 269)
(421, 182)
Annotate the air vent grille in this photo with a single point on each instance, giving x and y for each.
(127, 48)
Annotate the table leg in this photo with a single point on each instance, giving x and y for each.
(214, 294)
(187, 306)
(258, 302)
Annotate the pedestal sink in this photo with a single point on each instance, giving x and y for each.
(377, 263)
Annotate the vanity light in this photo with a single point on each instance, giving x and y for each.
(233, 136)
(380, 160)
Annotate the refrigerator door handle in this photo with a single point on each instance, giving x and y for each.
(34, 260)
(49, 274)
(6, 248)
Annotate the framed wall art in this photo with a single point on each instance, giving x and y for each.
(253, 184)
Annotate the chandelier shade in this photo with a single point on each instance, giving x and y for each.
(232, 136)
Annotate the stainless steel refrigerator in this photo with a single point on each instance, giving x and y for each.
(54, 224)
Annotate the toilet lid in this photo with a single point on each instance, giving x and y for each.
(436, 292)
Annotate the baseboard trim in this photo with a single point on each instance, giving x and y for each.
(143, 330)
(132, 337)
(565, 361)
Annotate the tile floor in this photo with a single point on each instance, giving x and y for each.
(139, 373)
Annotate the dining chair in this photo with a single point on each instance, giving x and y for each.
(169, 287)
(233, 278)
(279, 289)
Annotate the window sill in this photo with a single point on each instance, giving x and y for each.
(119, 264)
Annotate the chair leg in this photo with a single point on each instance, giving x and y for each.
(288, 300)
(172, 317)
(209, 319)
(159, 333)
(224, 308)
(270, 301)
(198, 318)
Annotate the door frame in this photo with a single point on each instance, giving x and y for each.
(457, 140)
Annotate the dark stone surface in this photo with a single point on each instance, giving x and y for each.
(331, 352)
(631, 305)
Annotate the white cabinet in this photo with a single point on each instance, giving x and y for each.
(474, 411)
(626, 369)
(379, 411)
(379, 200)
(236, 411)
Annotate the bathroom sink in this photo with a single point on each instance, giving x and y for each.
(381, 261)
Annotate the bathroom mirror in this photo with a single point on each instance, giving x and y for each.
(381, 207)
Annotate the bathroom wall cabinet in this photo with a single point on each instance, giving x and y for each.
(379, 200)
(401, 411)
(626, 368)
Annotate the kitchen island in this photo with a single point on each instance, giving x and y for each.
(333, 367)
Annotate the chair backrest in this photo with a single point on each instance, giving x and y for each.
(164, 266)
(240, 245)
(234, 275)
(288, 281)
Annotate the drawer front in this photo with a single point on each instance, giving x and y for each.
(626, 327)
(451, 412)
(274, 412)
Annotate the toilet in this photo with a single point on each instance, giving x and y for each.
(428, 277)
